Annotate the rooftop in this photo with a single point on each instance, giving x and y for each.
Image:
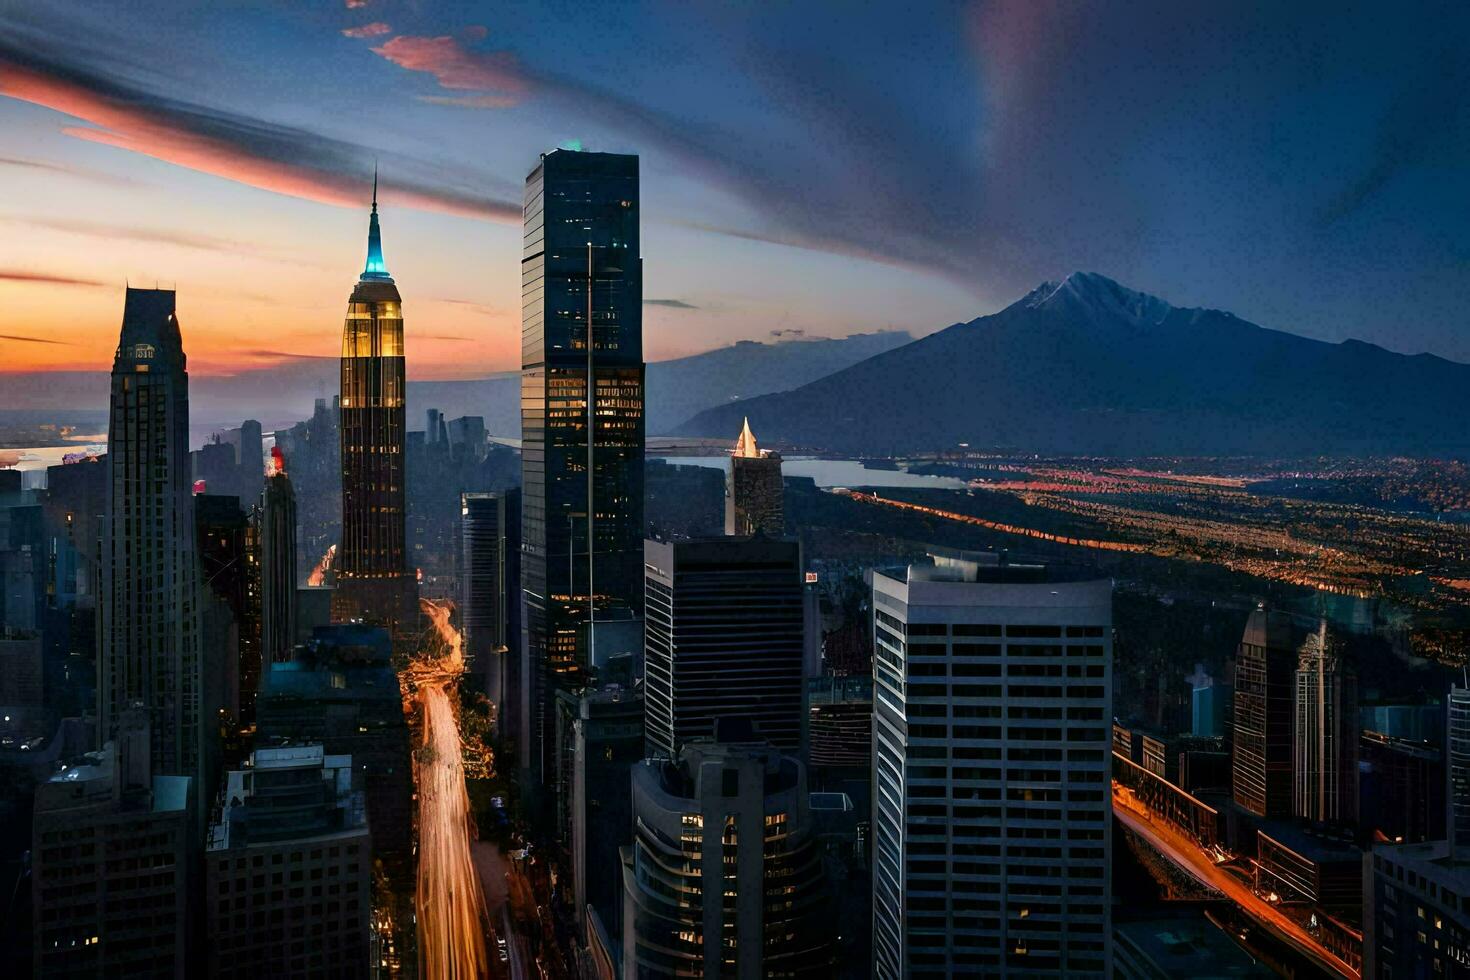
(1186, 944)
(1314, 844)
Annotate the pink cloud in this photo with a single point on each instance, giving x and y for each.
(456, 67)
(376, 29)
(355, 4)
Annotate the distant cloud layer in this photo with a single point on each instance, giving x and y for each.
(22, 276)
(676, 304)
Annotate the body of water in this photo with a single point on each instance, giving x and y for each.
(834, 472)
(33, 462)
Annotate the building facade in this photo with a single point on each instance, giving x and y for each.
(490, 600)
(114, 873)
(754, 495)
(724, 875)
(1457, 763)
(1325, 732)
(341, 691)
(1263, 710)
(1416, 912)
(374, 581)
(992, 812)
(601, 736)
(277, 563)
(230, 603)
(288, 868)
(724, 639)
(148, 635)
(582, 498)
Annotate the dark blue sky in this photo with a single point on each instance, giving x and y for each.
(828, 168)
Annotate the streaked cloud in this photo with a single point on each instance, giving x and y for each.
(376, 29)
(85, 173)
(471, 101)
(156, 236)
(673, 304)
(34, 340)
(23, 276)
(284, 159)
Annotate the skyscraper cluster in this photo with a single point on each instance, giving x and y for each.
(683, 785)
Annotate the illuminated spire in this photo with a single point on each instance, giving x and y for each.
(375, 268)
(745, 445)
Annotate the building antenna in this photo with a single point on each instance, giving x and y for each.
(375, 185)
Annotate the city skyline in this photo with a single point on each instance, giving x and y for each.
(1105, 633)
(205, 172)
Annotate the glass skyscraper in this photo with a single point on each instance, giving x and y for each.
(148, 615)
(582, 508)
(374, 582)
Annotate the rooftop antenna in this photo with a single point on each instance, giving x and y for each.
(375, 185)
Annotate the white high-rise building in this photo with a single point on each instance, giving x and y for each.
(991, 810)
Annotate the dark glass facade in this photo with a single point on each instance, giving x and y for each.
(490, 601)
(148, 613)
(580, 256)
(1265, 669)
(724, 639)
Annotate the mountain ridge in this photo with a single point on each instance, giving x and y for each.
(282, 394)
(1090, 366)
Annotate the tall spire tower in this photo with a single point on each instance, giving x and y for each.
(374, 582)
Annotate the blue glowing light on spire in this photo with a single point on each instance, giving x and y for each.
(375, 267)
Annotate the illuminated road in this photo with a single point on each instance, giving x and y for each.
(451, 905)
(1187, 856)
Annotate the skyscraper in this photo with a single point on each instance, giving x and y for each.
(277, 563)
(754, 493)
(148, 645)
(1457, 761)
(374, 582)
(1416, 916)
(723, 640)
(490, 599)
(724, 878)
(601, 736)
(1265, 666)
(991, 815)
(1325, 734)
(582, 512)
(229, 604)
(252, 459)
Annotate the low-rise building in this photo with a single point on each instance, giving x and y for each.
(289, 869)
(114, 874)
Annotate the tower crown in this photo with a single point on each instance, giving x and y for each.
(375, 269)
(745, 445)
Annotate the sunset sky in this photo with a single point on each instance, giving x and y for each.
(826, 169)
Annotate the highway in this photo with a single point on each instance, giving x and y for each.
(451, 904)
(1187, 856)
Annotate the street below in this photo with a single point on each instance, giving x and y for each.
(452, 916)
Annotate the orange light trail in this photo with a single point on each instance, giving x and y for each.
(451, 905)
